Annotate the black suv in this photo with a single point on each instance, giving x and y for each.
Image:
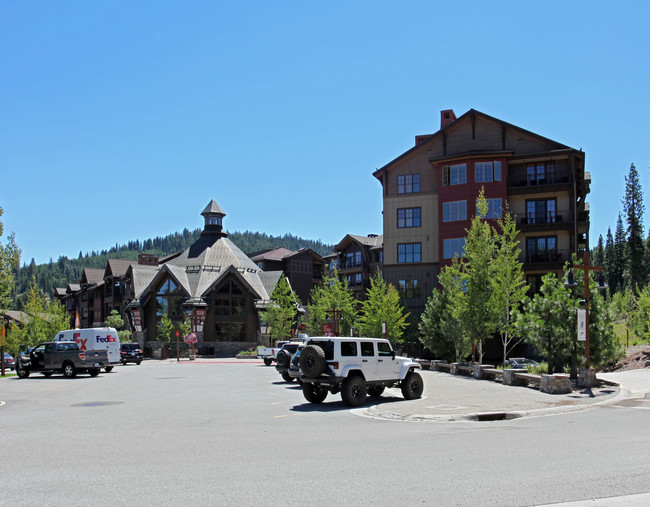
(131, 353)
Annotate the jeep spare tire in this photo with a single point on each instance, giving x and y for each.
(312, 361)
(283, 359)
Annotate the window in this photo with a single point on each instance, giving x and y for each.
(484, 172)
(494, 208)
(454, 174)
(408, 252)
(367, 349)
(349, 349)
(541, 211)
(409, 288)
(334, 264)
(542, 249)
(454, 211)
(384, 349)
(408, 217)
(408, 184)
(357, 258)
(358, 279)
(168, 300)
(453, 247)
(540, 173)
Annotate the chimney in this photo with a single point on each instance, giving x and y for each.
(447, 117)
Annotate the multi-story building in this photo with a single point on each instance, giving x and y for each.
(357, 258)
(303, 268)
(429, 195)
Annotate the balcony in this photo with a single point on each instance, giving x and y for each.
(526, 184)
(531, 221)
(540, 257)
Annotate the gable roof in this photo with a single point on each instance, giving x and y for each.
(372, 241)
(459, 121)
(276, 254)
(92, 276)
(116, 267)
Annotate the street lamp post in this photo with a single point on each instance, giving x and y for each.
(586, 268)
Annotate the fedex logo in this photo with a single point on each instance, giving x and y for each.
(82, 343)
(107, 339)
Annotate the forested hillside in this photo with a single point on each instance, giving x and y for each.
(63, 271)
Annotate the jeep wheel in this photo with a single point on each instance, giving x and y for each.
(314, 393)
(69, 370)
(268, 361)
(108, 369)
(312, 361)
(22, 372)
(287, 377)
(354, 391)
(376, 390)
(283, 359)
(412, 386)
(93, 372)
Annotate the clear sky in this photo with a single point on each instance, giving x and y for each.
(120, 120)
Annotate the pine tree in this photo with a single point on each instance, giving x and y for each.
(634, 209)
(597, 257)
(619, 260)
(9, 262)
(608, 261)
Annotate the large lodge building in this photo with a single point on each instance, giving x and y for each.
(429, 195)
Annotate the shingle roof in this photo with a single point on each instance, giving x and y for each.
(213, 207)
(276, 254)
(116, 267)
(93, 276)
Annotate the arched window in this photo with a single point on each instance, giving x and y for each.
(169, 300)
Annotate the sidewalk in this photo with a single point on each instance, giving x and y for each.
(458, 398)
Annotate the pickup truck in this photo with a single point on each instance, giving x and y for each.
(269, 354)
(60, 357)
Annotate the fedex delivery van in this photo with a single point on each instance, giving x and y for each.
(94, 338)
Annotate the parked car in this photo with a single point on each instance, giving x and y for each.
(284, 357)
(355, 367)
(10, 362)
(520, 362)
(131, 353)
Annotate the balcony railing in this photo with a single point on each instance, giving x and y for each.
(545, 256)
(550, 217)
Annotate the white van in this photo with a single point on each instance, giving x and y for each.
(94, 338)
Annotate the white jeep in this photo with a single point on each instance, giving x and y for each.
(355, 367)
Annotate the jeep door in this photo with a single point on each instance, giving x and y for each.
(387, 366)
(369, 359)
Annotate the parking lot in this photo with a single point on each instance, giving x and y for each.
(230, 432)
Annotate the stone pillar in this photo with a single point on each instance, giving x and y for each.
(454, 369)
(555, 384)
(478, 371)
(508, 377)
(587, 377)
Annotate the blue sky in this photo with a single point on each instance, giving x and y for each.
(121, 120)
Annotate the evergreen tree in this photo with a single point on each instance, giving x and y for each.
(619, 260)
(597, 256)
(634, 209)
(382, 306)
(549, 321)
(608, 262)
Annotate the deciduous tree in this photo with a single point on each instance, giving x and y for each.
(382, 305)
(280, 314)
